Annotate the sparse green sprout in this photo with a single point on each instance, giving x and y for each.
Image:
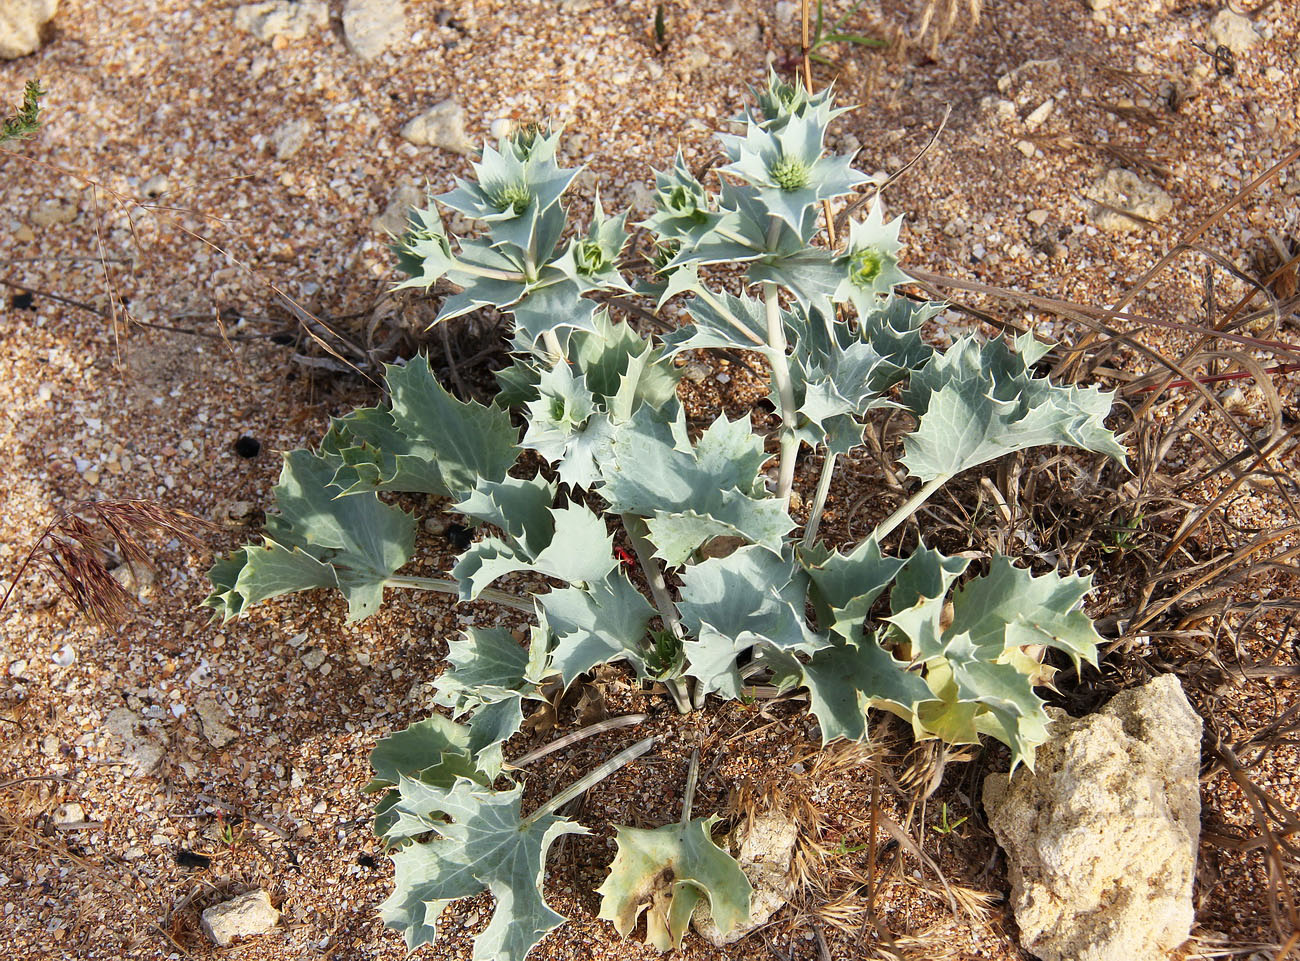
(946, 826)
(726, 580)
(26, 120)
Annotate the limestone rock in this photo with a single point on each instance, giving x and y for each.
(290, 137)
(442, 125)
(282, 18)
(139, 748)
(1120, 192)
(214, 717)
(242, 917)
(20, 26)
(1233, 31)
(372, 26)
(766, 851)
(394, 218)
(1101, 839)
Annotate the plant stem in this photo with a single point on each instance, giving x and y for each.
(654, 575)
(490, 273)
(553, 347)
(591, 779)
(582, 733)
(885, 527)
(784, 391)
(445, 586)
(707, 296)
(819, 499)
(692, 778)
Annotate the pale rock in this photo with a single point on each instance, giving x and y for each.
(766, 851)
(214, 717)
(1101, 838)
(1233, 31)
(1126, 192)
(246, 916)
(290, 137)
(282, 18)
(141, 750)
(20, 26)
(372, 26)
(1040, 113)
(393, 220)
(442, 126)
(52, 212)
(1038, 216)
(70, 813)
(313, 659)
(1026, 147)
(696, 372)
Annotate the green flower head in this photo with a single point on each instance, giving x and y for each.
(513, 196)
(870, 264)
(790, 174)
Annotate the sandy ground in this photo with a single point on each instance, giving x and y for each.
(154, 196)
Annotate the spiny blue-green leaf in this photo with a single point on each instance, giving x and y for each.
(868, 269)
(427, 441)
(682, 208)
(436, 751)
(318, 539)
(844, 586)
(1012, 712)
(622, 369)
(604, 622)
(731, 604)
(487, 681)
(807, 272)
(690, 493)
(486, 845)
(566, 426)
(1010, 608)
(552, 308)
(423, 250)
(664, 872)
(591, 262)
(721, 320)
(976, 664)
(487, 277)
(787, 166)
(415, 749)
(976, 402)
(919, 594)
(579, 550)
(487, 664)
(521, 508)
(852, 675)
(508, 186)
(250, 575)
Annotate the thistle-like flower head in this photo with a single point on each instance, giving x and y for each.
(870, 262)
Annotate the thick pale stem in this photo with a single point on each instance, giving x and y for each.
(600, 727)
(553, 347)
(819, 499)
(784, 392)
(489, 273)
(654, 575)
(591, 779)
(729, 317)
(885, 527)
(444, 586)
(692, 779)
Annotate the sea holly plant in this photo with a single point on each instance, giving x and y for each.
(631, 534)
